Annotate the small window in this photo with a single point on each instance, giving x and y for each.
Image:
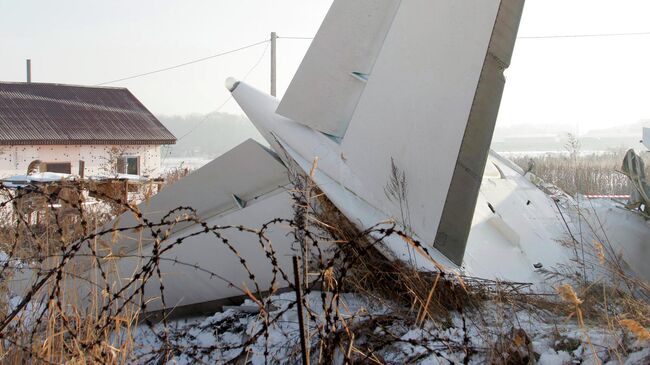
(60, 167)
(128, 165)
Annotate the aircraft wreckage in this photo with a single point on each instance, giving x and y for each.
(409, 84)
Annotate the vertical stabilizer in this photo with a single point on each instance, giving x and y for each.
(429, 107)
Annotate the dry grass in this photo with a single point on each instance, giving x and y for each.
(175, 174)
(53, 330)
(584, 174)
(607, 303)
(38, 227)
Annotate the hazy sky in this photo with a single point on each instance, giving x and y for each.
(584, 83)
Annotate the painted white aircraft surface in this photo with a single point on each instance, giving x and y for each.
(413, 84)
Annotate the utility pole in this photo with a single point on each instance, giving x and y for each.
(29, 70)
(274, 38)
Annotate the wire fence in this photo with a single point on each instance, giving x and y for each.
(64, 299)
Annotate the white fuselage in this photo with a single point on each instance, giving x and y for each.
(306, 147)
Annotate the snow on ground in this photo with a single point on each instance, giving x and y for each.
(474, 338)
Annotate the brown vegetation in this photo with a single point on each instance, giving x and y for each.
(46, 327)
(584, 174)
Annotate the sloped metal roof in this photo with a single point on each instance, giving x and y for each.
(38, 113)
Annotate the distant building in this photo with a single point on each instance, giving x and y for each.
(67, 129)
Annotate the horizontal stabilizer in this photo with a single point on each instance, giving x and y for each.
(246, 172)
(244, 187)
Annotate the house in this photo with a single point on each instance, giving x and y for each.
(77, 130)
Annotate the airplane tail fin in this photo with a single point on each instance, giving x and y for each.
(411, 88)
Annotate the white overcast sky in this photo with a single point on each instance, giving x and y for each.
(584, 83)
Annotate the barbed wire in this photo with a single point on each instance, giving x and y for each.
(63, 249)
(173, 67)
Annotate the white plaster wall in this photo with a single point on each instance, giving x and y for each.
(14, 160)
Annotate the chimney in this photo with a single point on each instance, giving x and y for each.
(29, 70)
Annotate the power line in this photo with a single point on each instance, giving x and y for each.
(259, 60)
(195, 127)
(257, 63)
(585, 35)
(311, 38)
(205, 118)
(301, 38)
(184, 64)
(539, 37)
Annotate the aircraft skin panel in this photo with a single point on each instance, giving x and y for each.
(247, 171)
(417, 104)
(459, 206)
(453, 230)
(324, 92)
(528, 213)
(184, 284)
(626, 232)
(505, 30)
(258, 180)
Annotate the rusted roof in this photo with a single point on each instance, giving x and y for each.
(36, 113)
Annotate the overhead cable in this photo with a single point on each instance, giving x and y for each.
(183, 64)
(259, 60)
(584, 35)
(541, 36)
(205, 118)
